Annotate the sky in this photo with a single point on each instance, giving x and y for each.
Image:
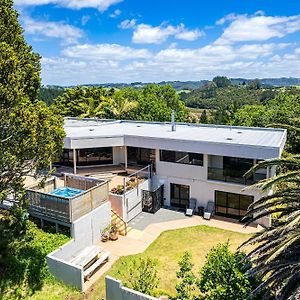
(101, 41)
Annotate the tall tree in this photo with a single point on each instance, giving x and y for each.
(221, 81)
(276, 255)
(30, 134)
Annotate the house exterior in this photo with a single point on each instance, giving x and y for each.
(203, 162)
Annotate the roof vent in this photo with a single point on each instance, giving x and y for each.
(240, 132)
(92, 129)
(229, 139)
(173, 121)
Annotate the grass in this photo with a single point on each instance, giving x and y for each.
(168, 249)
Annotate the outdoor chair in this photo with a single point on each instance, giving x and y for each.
(209, 211)
(192, 207)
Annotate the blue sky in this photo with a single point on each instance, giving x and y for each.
(97, 41)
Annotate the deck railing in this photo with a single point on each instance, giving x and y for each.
(233, 176)
(67, 210)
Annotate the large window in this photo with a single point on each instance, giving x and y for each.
(231, 204)
(95, 156)
(187, 158)
(140, 156)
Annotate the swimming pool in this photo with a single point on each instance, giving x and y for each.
(66, 192)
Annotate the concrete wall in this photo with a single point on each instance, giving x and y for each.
(88, 228)
(116, 291)
(70, 274)
(86, 231)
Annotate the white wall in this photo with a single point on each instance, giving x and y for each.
(116, 291)
(86, 231)
(118, 155)
(88, 228)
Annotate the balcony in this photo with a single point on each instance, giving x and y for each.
(233, 176)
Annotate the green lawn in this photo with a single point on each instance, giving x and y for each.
(167, 249)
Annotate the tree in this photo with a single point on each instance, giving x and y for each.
(141, 275)
(30, 134)
(79, 101)
(276, 256)
(152, 103)
(185, 289)
(252, 116)
(203, 117)
(221, 81)
(222, 276)
(254, 84)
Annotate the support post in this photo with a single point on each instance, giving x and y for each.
(74, 161)
(125, 151)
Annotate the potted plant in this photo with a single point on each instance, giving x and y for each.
(114, 232)
(105, 233)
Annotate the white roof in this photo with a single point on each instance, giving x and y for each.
(261, 143)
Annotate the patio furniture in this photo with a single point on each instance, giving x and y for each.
(192, 207)
(208, 213)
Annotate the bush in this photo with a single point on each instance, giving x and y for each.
(223, 275)
(25, 269)
(185, 289)
(141, 275)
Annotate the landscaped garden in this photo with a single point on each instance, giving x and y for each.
(167, 250)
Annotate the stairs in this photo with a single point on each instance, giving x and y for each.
(123, 228)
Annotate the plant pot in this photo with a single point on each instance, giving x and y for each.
(114, 236)
(105, 238)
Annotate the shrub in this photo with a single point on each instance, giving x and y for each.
(222, 276)
(186, 288)
(141, 275)
(25, 269)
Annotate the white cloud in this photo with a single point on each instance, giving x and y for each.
(127, 24)
(102, 5)
(116, 63)
(115, 14)
(246, 28)
(85, 19)
(189, 35)
(105, 52)
(68, 33)
(147, 34)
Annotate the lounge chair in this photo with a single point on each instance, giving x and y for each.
(209, 211)
(192, 207)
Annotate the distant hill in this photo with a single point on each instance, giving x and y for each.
(276, 82)
(192, 85)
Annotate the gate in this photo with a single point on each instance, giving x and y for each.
(152, 201)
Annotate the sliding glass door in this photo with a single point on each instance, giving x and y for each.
(232, 205)
(180, 195)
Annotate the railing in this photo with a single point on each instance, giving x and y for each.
(67, 210)
(122, 221)
(233, 176)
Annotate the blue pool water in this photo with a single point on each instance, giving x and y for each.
(66, 192)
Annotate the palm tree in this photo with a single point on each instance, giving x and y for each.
(120, 106)
(93, 110)
(276, 256)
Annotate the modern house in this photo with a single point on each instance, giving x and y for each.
(191, 161)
